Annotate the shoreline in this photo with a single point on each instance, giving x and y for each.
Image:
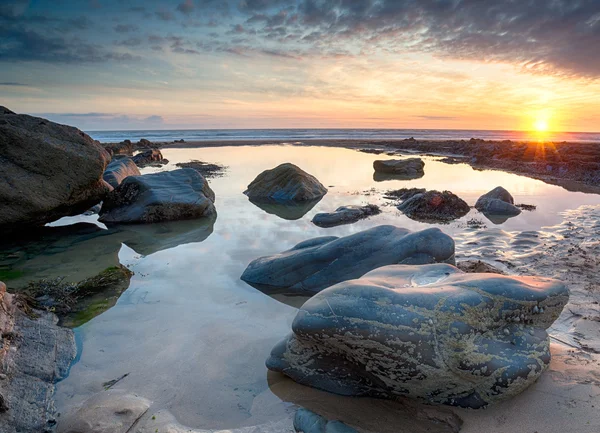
(573, 166)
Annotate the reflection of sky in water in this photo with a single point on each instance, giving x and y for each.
(194, 337)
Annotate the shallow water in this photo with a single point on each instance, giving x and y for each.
(191, 335)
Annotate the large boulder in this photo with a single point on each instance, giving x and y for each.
(318, 263)
(404, 167)
(429, 332)
(47, 171)
(286, 182)
(166, 196)
(119, 169)
(345, 215)
(434, 206)
(497, 202)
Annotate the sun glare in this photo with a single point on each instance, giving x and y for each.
(541, 125)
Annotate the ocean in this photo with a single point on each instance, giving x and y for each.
(294, 135)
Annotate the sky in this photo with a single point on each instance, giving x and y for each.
(439, 64)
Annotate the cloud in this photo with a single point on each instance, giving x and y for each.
(165, 15)
(92, 121)
(125, 28)
(187, 7)
(11, 83)
(424, 117)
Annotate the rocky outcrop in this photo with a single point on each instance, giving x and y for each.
(434, 206)
(283, 183)
(165, 196)
(149, 157)
(47, 171)
(119, 169)
(404, 167)
(345, 215)
(110, 411)
(497, 202)
(35, 353)
(318, 263)
(429, 332)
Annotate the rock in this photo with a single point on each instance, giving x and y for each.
(478, 267)
(345, 215)
(283, 183)
(497, 202)
(429, 332)
(307, 421)
(94, 210)
(47, 171)
(318, 263)
(111, 411)
(406, 167)
(148, 157)
(403, 193)
(166, 196)
(204, 168)
(434, 206)
(119, 169)
(125, 147)
(144, 143)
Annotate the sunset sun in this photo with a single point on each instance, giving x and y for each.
(541, 125)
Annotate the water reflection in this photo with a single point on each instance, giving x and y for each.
(289, 210)
(383, 177)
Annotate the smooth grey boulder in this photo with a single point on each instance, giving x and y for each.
(429, 332)
(318, 263)
(166, 196)
(118, 170)
(345, 215)
(405, 167)
(497, 202)
(47, 171)
(306, 421)
(286, 182)
(111, 411)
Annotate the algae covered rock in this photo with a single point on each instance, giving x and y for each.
(434, 206)
(430, 332)
(286, 182)
(318, 263)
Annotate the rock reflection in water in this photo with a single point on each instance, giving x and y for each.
(286, 210)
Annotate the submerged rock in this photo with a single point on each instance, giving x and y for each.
(148, 157)
(318, 263)
(497, 202)
(430, 332)
(345, 215)
(47, 171)
(119, 169)
(307, 421)
(405, 167)
(111, 411)
(286, 182)
(165, 196)
(478, 267)
(434, 206)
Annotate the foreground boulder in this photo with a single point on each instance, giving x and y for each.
(166, 196)
(434, 206)
(405, 167)
(429, 332)
(119, 169)
(285, 182)
(318, 263)
(497, 202)
(345, 215)
(47, 171)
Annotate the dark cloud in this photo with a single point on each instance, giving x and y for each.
(165, 15)
(125, 28)
(11, 83)
(130, 42)
(187, 7)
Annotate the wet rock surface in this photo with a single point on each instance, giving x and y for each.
(118, 170)
(307, 421)
(430, 332)
(47, 171)
(149, 157)
(321, 262)
(286, 182)
(497, 202)
(433, 206)
(345, 215)
(166, 196)
(405, 167)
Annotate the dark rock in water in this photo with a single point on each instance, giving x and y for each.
(345, 215)
(478, 267)
(307, 421)
(372, 151)
(429, 332)
(434, 206)
(166, 196)
(403, 193)
(111, 411)
(47, 171)
(125, 147)
(144, 143)
(148, 157)
(35, 353)
(527, 207)
(284, 183)
(318, 263)
(406, 167)
(497, 202)
(287, 210)
(119, 169)
(204, 168)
